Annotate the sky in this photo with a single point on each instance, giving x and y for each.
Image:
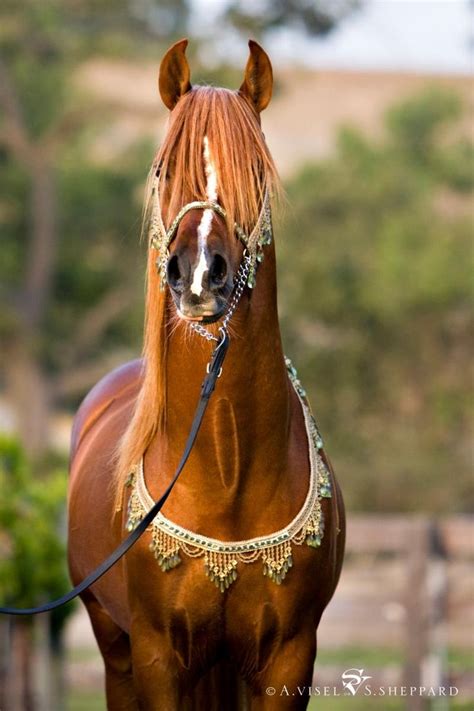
(434, 36)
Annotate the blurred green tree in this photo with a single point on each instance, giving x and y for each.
(375, 294)
(33, 561)
(32, 568)
(70, 269)
(313, 18)
(67, 271)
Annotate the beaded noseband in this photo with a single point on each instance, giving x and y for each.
(161, 238)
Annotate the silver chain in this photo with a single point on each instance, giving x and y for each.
(239, 286)
(203, 331)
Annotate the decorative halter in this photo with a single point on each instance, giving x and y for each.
(161, 238)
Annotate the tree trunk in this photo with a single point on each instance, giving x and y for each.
(41, 257)
(28, 389)
(27, 382)
(19, 692)
(58, 673)
(27, 392)
(5, 651)
(42, 677)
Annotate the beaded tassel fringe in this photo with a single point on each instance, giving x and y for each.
(221, 566)
(277, 562)
(165, 549)
(221, 569)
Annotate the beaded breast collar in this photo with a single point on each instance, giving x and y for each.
(222, 558)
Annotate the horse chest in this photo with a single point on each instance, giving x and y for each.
(248, 622)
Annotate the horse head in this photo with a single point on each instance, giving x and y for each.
(211, 180)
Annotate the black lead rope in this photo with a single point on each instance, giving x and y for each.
(207, 388)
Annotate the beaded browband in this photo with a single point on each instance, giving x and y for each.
(161, 238)
(222, 558)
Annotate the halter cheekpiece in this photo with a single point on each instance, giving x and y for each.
(161, 238)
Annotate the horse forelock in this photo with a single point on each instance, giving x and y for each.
(223, 121)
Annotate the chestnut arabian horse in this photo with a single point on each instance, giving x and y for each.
(220, 599)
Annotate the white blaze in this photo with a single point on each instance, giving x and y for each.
(206, 220)
(211, 187)
(196, 286)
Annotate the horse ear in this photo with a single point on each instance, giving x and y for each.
(174, 74)
(258, 80)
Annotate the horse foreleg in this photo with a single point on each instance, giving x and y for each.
(286, 682)
(114, 645)
(156, 672)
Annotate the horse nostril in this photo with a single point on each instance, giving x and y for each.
(194, 299)
(217, 272)
(173, 272)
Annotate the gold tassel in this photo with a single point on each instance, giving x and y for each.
(277, 561)
(165, 549)
(221, 569)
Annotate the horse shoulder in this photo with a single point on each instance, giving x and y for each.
(122, 383)
(93, 528)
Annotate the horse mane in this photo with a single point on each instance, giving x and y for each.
(245, 170)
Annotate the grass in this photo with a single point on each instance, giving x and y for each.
(352, 703)
(95, 701)
(84, 654)
(343, 658)
(460, 660)
(365, 657)
(86, 701)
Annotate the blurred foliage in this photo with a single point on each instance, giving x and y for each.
(375, 297)
(99, 218)
(85, 228)
(65, 314)
(68, 30)
(313, 18)
(374, 265)
(32, 521)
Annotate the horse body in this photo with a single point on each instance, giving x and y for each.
(161, 633)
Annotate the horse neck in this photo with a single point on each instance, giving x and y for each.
(246, 424)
